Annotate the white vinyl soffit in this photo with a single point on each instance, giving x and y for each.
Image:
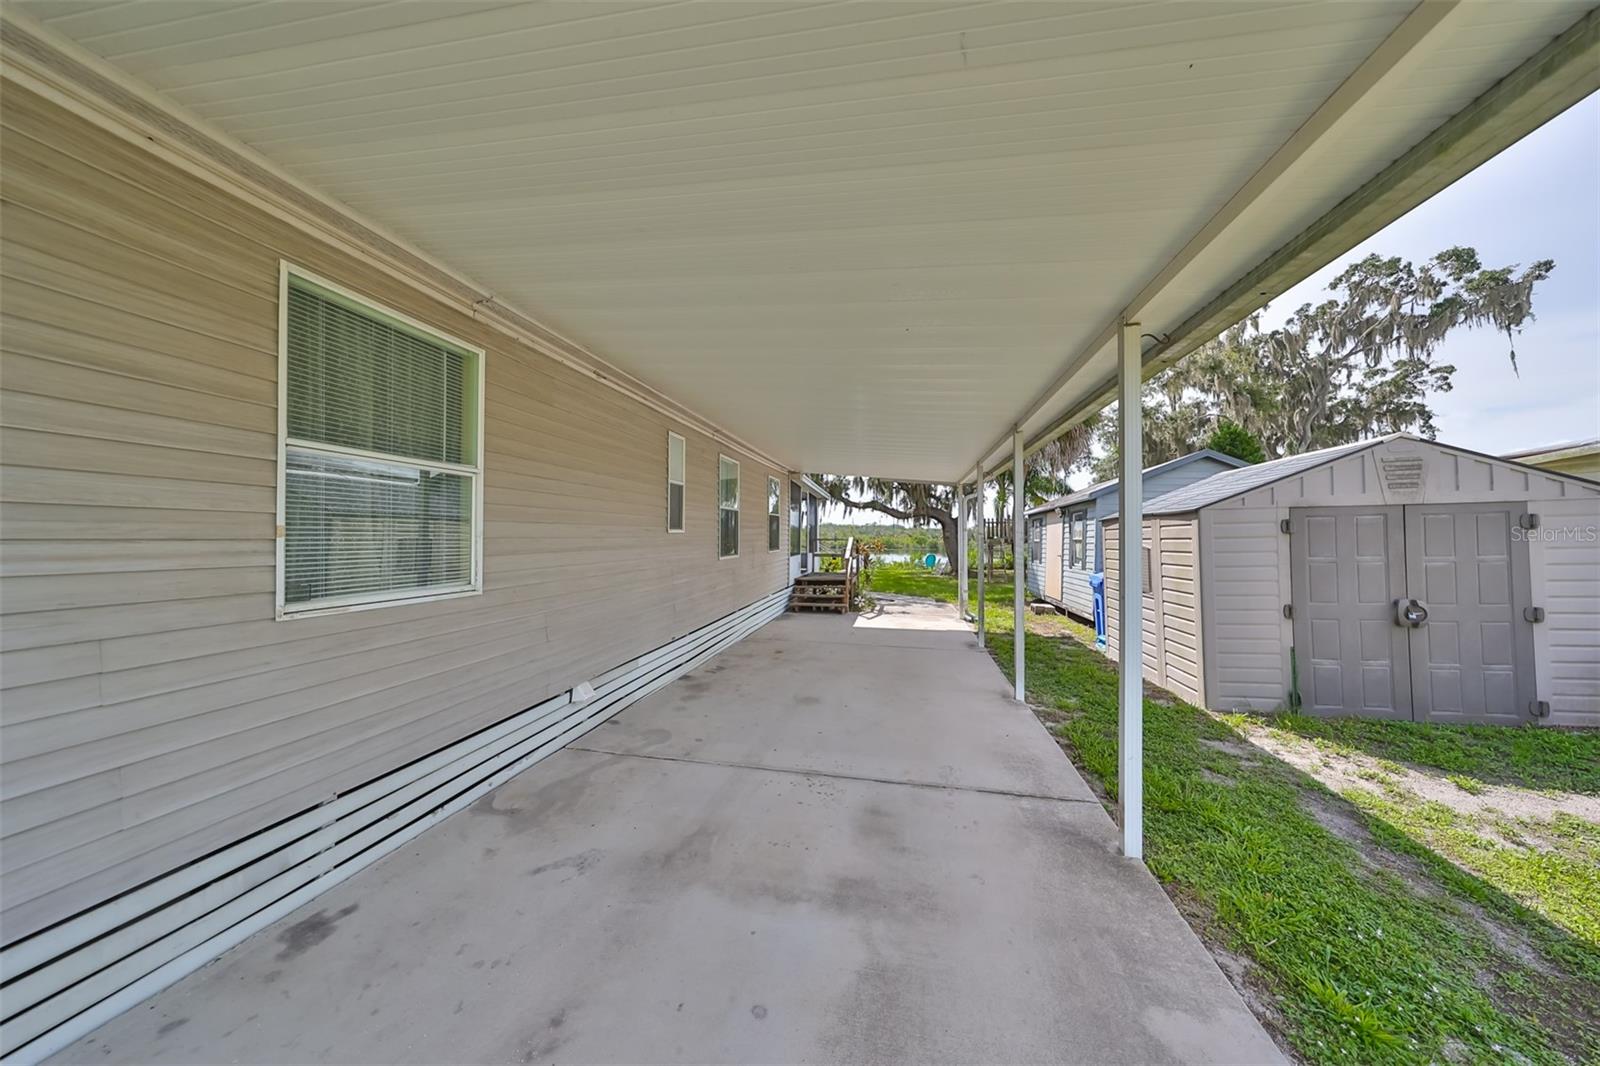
(864, 237)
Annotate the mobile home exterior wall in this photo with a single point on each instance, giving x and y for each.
(154, 709)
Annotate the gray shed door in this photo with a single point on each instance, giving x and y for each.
(1348, 568)
(1472, 660)
(1354, 568)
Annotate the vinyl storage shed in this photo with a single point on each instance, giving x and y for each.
(1393, 578)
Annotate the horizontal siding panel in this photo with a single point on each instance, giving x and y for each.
(54, 415)
(64, 381)
(22, 522)
(55, 451)
(39, 665)
(176, 296)
(95, 329)
(84, 742)
(38, 557)
(57, 592)
(48, 485)
(58, 187)
(44, 698)
(117, 356)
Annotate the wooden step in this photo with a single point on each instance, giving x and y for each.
(824, 592)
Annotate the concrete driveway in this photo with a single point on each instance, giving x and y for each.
(839, 841)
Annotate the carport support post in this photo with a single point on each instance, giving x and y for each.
(983, 533)
(960, 561)
(1018, 578)
(1130, 591)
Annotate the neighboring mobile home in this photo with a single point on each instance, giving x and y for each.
(1581, 457)
(1066, 541)
(1392, 578)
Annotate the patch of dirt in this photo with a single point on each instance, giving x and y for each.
(1506, 939)
(1244, 753)
(1342, 820)
(1341, 771)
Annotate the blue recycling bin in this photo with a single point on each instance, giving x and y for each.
(1097, 587)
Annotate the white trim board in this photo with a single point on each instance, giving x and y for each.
(66, 981)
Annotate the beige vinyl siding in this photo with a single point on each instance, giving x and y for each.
(1152, 614)
(1172, 640)
(1180, 607)
(1565, 567)
(1245, 583)
(153, 708)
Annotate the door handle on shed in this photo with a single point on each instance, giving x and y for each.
(1410, 612)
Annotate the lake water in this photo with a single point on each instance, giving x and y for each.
(899, 557)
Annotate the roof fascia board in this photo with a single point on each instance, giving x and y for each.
(1560, 74)
(41, 60)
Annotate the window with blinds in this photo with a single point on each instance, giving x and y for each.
(774, 515)
(675, 468)
(380, 456)
(727, 507)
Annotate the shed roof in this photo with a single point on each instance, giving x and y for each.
(1100, 488)
(1231, 483)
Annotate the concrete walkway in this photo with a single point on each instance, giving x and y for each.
(839, 841)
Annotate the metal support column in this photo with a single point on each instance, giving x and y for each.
(1019, 579)
(982, 526)
(1130, 592)
(960, 561)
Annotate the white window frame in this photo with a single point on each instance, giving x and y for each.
(738, 499)
(683, 447)
(368, 601)
(775, 492)
(1078, 522)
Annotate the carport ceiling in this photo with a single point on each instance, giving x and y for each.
(863, 237)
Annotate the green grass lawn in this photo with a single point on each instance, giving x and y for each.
(1373, 925)
(908, 579)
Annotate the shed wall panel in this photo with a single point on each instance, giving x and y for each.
(1244, 563)
(1564, 557)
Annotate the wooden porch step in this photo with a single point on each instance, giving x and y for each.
(820, 592)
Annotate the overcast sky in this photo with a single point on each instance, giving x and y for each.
(1539, 199)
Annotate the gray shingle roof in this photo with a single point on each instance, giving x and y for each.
(1100, 488)
(1231, 483)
